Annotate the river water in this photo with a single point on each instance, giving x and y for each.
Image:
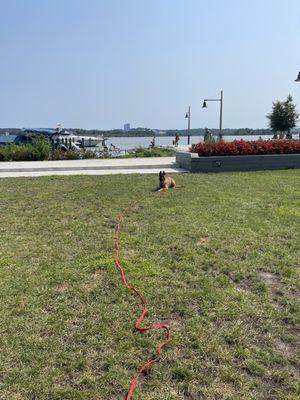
(128, 143)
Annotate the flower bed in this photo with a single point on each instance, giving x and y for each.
(243, 147)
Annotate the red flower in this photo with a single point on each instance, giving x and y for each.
(243, 147)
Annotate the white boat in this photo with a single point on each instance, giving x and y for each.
(62, 135)
(83, 141)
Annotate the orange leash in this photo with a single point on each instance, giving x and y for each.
(156, 325)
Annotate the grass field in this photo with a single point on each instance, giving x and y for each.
(217, 260)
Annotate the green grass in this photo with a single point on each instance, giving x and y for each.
(217, 260)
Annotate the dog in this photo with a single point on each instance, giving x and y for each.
(165, 182)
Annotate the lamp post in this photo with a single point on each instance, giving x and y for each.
(298, 80)
(221, 111)
(188, 116)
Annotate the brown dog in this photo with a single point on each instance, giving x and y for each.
(165, 182)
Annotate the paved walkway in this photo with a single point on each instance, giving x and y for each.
(151, 165)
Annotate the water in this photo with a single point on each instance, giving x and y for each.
(128, 143)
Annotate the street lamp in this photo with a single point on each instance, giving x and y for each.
(298, 80)
(188, 116)
(221, 111)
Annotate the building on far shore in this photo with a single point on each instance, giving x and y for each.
(126, 127)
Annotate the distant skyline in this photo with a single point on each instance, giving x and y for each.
(99, 64)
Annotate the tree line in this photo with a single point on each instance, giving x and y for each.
(152, 132)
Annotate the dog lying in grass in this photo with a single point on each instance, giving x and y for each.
(165, 182)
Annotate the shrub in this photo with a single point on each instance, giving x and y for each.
(41, 148)
(38, 150)
(73, 155)
(66, 155)
(86, 154)
(243, 147)
(155, 152)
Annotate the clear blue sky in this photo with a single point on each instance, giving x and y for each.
(101, 63)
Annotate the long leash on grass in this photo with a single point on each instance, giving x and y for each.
(155, 325)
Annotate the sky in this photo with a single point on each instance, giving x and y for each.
(98, 64)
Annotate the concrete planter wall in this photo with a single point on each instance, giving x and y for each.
(192, 162)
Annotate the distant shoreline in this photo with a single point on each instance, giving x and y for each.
(144, 132)
(194, 134)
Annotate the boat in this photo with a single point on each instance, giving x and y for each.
(7, 138)
(62, 135)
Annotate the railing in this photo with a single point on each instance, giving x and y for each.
(68, 142)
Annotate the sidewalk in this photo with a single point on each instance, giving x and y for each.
(151, 165)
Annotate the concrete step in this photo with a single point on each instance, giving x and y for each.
(150, 165)
(90, 168)
(99, 171)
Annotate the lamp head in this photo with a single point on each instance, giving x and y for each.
(298, 78)
(204, 104)
(186, 115)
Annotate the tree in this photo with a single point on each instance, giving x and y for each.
(284, 116)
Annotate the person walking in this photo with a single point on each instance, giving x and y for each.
(152, 143)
